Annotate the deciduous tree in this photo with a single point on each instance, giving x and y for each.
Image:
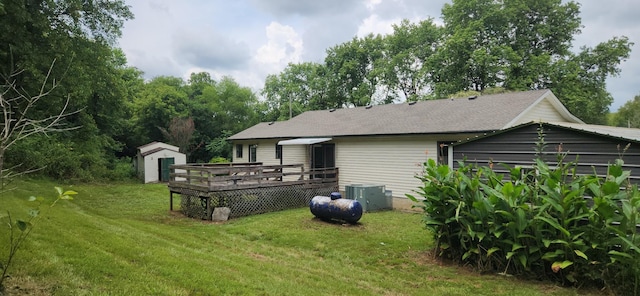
(408, 58)
(629, 114)
(20, 119)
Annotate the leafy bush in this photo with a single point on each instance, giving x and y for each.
(65, 160)
(218, 159)
(545, 222)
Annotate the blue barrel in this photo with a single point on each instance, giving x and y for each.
(326, 208)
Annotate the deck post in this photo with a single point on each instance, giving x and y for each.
(209, 211)
(170, 200)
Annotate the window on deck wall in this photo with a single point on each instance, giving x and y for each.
(239, 150)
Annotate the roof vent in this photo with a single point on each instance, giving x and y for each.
(472, 98)
(412, 103)
(368, 107)
(331, 110)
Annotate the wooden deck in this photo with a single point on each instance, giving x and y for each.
(222, 177)
(205, 179)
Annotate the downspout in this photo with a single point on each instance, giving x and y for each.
(450, 156)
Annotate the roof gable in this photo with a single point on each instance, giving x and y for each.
(155, 145)
(556, 107)
(464, 115)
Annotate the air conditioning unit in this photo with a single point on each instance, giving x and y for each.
(371, 197)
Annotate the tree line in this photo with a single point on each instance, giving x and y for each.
(483, 46)
(66, 50)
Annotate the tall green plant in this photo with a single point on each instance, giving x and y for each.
(19, 230)
(547, 221)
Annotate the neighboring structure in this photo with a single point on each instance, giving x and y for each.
(387, 144)
(592, 147)
(153, 161)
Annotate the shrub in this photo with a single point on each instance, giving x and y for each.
(546, 222)
(218, 159)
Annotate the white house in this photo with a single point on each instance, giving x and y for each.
(387, 144)
(153, 161)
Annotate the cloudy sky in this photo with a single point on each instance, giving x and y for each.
(249, 39)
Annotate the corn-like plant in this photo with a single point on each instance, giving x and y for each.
(546, 221)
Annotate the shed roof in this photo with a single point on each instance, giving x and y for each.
(147, 148)
(464, 115)
(156, 150)
(611, 131)
(620, 133)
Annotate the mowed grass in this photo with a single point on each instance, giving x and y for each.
(121, 239)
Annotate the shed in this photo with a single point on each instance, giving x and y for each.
(153, 161)
(592, 147)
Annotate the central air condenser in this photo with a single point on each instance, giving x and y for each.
(371, 197)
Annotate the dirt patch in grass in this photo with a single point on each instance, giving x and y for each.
(466, 272)
(25, 286)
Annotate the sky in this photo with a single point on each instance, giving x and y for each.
(250, 39)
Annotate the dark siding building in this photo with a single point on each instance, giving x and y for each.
(590, 146)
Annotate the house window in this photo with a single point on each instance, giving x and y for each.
(253, 153)
(239, 150)
(443, 153)
(278, 151)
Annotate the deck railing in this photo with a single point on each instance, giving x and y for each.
(247, 188)
(220, 177)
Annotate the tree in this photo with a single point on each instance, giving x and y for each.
(354, 70)
(162, 99)
(629, 114)
(471, 55)
(298, 88)
(408, 56)
(78, 35)
(538, 33)
(522, 45)
(20, 119)
(579, 80)
(180, 133)
(223, 108)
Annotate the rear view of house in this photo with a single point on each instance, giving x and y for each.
(387, 144)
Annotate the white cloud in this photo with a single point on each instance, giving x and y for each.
(371, 4)
(249, 39)
(210, 49)
(373, 24)
(283, 46)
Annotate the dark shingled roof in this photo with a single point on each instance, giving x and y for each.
(610, 131)
(481, 114)
(620, 133)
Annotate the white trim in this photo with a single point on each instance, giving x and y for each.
(303, 141)
(548, 95)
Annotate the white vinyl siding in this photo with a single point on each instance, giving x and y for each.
(390, 161)
(266, 152)
(296, 154)
(151, 171)
(245, 152)
(543, 111)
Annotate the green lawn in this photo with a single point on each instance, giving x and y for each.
(122, 240)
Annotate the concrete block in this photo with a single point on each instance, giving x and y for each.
(221, 214)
